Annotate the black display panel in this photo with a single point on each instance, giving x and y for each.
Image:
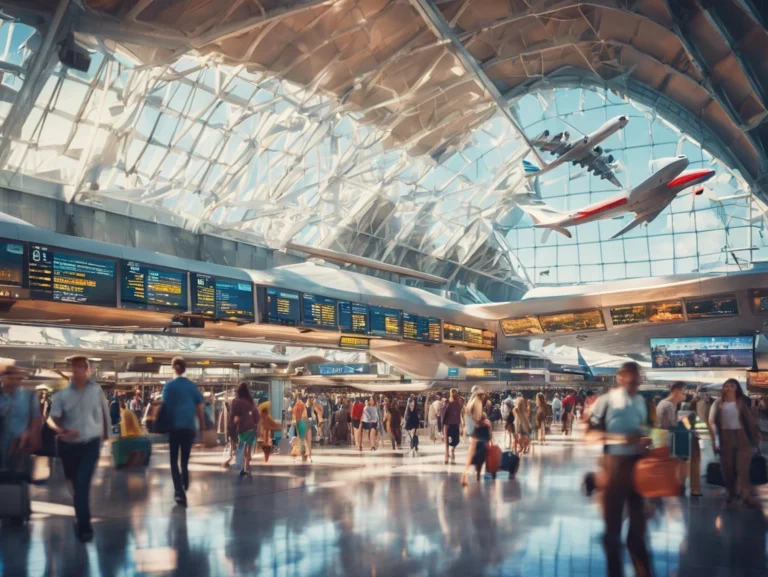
(11, 263)
(59, 275)
(153, 288)
(422, 329)
(283, 307)
(714, 307)
(385, 322)
(319, 312)
(353, 317)
(453, 332)
(224, 299)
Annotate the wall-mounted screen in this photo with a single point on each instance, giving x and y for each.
(283, 307)
(220, 298)
(11, 263)
(570, 322)
(319, 312)
(701, 352)
(757, 381)
(385, 322)
(153, 288)
(353, 317)
(63, 276)
(521, 326)
(647, 313)
(713, 307)
(473, 336)
(422, 329)
(453, 332)
(357, 343)
(758, 298)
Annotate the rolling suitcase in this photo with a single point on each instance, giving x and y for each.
(14, 497)
(757, 470)
(493, 459)
(715, 475)
(510, 463)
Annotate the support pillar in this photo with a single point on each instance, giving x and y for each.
(276, 395)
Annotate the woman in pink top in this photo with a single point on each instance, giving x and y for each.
(245, 417)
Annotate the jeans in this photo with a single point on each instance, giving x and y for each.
(180, 439)
(556, 415)
(79, 461)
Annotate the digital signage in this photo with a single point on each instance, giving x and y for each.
(153, 288)
(319, 312)
(521, 326)
(758, 298)
(757, 381)
(63, 276)
(422, 329)
(702, 352)
(357, 343)
(283, 307)
(453, 332)
(385, 322)
(11, 263)
(570, 322)
(658, 312)
(353, 317)
(710, 308)
(224, 299)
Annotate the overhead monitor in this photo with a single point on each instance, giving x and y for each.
(358, 343)
(570, 322)
(757, 382)
(452, 332)
(385, 322)
(222, 299)
(657, 312)
(150, 287)
(63, 276)
(521, 326)
(319, 312)
(473, 336)
(353, 317)
(422, 329)
(712, 307)
(11, 263)
(282, 306)
(758, 298)
(702, 352)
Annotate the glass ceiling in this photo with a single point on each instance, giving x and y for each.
(228, 151)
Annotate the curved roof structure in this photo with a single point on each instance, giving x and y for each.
(392, 129)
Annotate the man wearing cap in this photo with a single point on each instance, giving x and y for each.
(20, 424)
(80, 418)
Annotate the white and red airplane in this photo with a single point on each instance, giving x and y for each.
(646, 200)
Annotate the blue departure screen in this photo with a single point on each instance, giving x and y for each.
(225, 299)
(385, 322)
(283, 307)
(59, 275)
(319, 312)
(422, 329)
(353, 317)
(153, 288)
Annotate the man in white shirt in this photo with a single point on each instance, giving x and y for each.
(557, 408)
(666, 410)
(80, 418)
(432, 415)
(621, 417)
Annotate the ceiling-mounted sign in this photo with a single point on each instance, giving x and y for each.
(329, 369)
(453, 372)
(358, 343)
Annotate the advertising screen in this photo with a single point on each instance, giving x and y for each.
(319, 312)
(353, 317)
(11, 263)
(570, 322)
(701, 352)
(385, 322)
(358, 343)
(224, 299)
(757, 381)
(283, 307)
(453, 332)
(422, 329)
(63, 276)
(647, 313)
(758, 298)
(522, 326)
(709, 308)
(153, 288)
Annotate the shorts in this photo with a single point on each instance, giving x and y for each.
(355, 423)
(453, 435)
(247, 438)
(369, 426)
(482, 434)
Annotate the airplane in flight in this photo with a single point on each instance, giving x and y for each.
(584, 152)
(646, 200)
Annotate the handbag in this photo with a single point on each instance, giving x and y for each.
(163, 420)
(657, 477)
(758, 475)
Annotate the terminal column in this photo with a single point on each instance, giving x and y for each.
(276, 396)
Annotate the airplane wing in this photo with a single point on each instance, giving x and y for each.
(647, 217)
(551, 146)
(599, 165)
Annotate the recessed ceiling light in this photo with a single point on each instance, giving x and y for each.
(458, 71)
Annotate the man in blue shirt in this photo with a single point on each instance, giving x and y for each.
(21, 423)
(183, 402)
(620, 419)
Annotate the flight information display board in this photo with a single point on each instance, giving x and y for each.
(473, 336)
(522, 326)
(759, 300)
(357, 343)
(283, 307)
(422, 329)
(319, 312)
(757, 381)
(385, 322)
(353, 317)
(11, 263)
(453, 332)
(715, 307)
(153, 288)
(63, 276)
(224, 299)
(702, 352)
(659, 312)
(570, 322)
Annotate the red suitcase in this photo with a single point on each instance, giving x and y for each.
(493, 460)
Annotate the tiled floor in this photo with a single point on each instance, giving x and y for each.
(377, 514)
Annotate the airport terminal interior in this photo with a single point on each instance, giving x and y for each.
(383, 288)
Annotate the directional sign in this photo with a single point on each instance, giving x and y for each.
(453, 372)
(329, 369)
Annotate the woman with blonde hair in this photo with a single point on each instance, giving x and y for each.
(522, 425)
(479, 430)
(541, 417)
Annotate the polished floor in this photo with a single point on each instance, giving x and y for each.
(373, 513)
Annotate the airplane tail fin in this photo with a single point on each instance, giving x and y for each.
(530, 168)
(546, 218)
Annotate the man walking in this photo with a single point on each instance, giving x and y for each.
(432, 416)
(182, 402)
(80, 418)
